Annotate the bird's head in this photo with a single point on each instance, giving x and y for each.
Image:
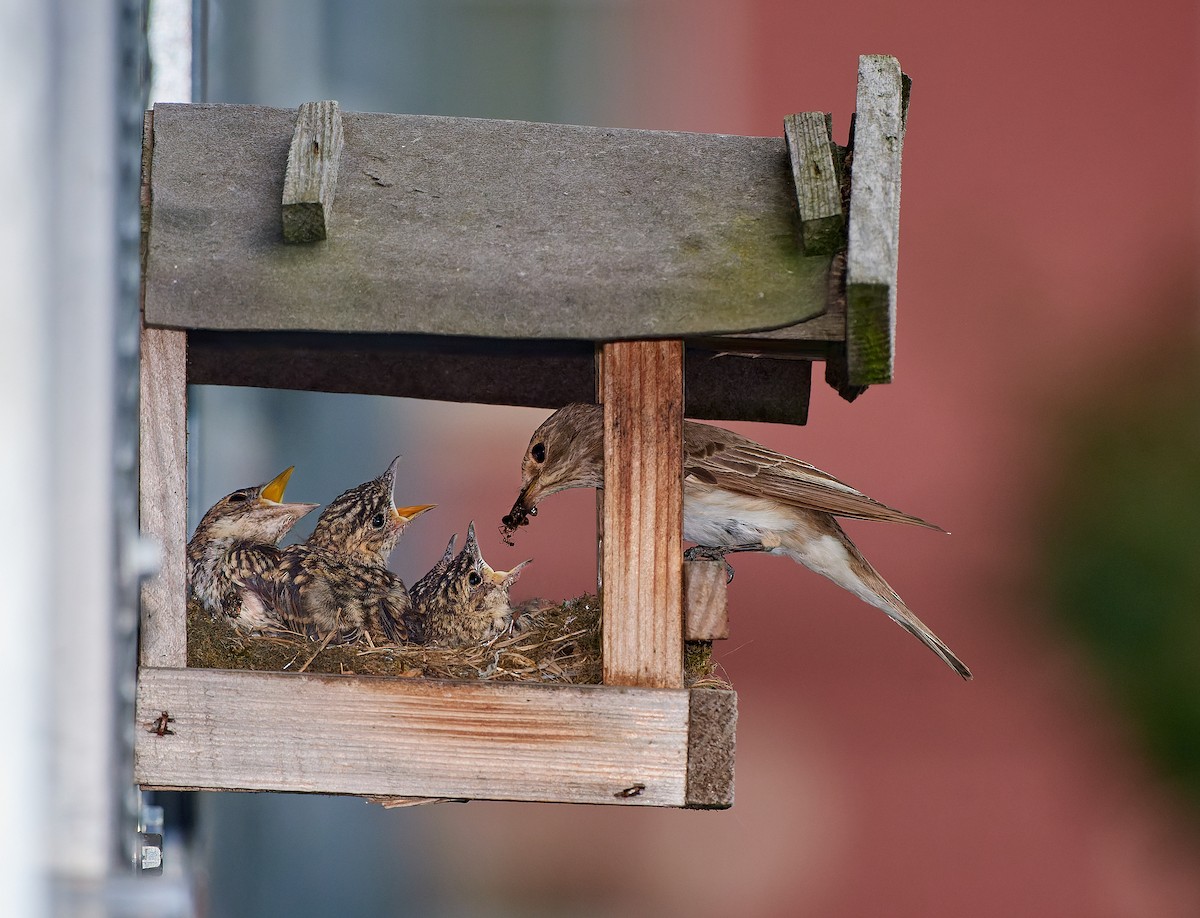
(257, 514)
(365, 521)
(566, 451)
(465, 599)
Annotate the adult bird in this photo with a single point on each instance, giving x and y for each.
(738, 495)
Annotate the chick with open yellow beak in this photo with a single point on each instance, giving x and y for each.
(237, 539)
(337, 579)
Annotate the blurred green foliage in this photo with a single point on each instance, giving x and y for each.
(1123, 557)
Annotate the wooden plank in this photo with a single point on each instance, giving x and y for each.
(408, 737)
(461, 226)
(713, 719)
(312, 170)
(705, 601)
(720, 385)
(818, 192)
(723, 385)
(874, 231)
(643, 513)
(163, 494)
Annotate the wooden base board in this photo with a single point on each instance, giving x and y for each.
(201, 729)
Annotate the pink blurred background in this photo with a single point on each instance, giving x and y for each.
(1049, 230)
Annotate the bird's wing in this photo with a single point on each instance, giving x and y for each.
(723, 459)
(281, 589)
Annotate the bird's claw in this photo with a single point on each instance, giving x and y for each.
(710, 553)
(715, 553)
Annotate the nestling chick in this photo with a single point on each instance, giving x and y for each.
(237, 538)
(337, 579)
(462, 601)
(737, 496)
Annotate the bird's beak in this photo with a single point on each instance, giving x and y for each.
(519, 514)
(273, 489)
(408, 514)
(507, 578)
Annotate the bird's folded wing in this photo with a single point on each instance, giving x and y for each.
(725, 460)
(280, 591)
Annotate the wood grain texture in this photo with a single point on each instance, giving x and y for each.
(642, 385)
(705, 603)
(310, 180)
(464, 226)
(818, 194)
(713, 721)
(163, 494)
(408, 737)
(874, 232)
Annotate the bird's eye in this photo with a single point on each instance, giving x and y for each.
(377, 521)
(538, 451)
(237, 497)
(474, 579)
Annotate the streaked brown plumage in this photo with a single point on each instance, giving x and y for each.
(337, 580)
(237, 538)
(737, 496)
(462, 600)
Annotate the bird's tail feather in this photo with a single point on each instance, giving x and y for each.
(891, 603)
(861, 579)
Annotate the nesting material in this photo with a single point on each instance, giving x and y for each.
(551, 643)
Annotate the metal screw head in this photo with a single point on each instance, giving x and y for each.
(150, 854)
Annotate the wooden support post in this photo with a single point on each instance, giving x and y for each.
(163, 494)
(874, 232)
(818, 194)
(312, 169)
(642, 555)
(705, 610)
(712, 725)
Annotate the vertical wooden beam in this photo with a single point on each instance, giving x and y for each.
(874, 232)
(312, 170)
(712, 726)
(818, 193)
(705, 604)
(642, 383)
(163, 494)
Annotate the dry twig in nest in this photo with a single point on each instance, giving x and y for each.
(550, 643)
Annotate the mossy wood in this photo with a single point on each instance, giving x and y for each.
(460, 226)
(872, 254)
(498, 252)
(818, 185)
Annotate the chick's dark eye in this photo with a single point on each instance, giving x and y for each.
(377, 521)
(237, 497)
(474, 579)
(538, 451)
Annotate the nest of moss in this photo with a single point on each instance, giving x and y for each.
(549, 643)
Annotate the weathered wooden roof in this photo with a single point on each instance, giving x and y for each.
(460, 226)
(475, 260)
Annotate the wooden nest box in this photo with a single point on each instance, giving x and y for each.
(504, 263)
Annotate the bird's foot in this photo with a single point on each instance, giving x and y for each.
(715, 553)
